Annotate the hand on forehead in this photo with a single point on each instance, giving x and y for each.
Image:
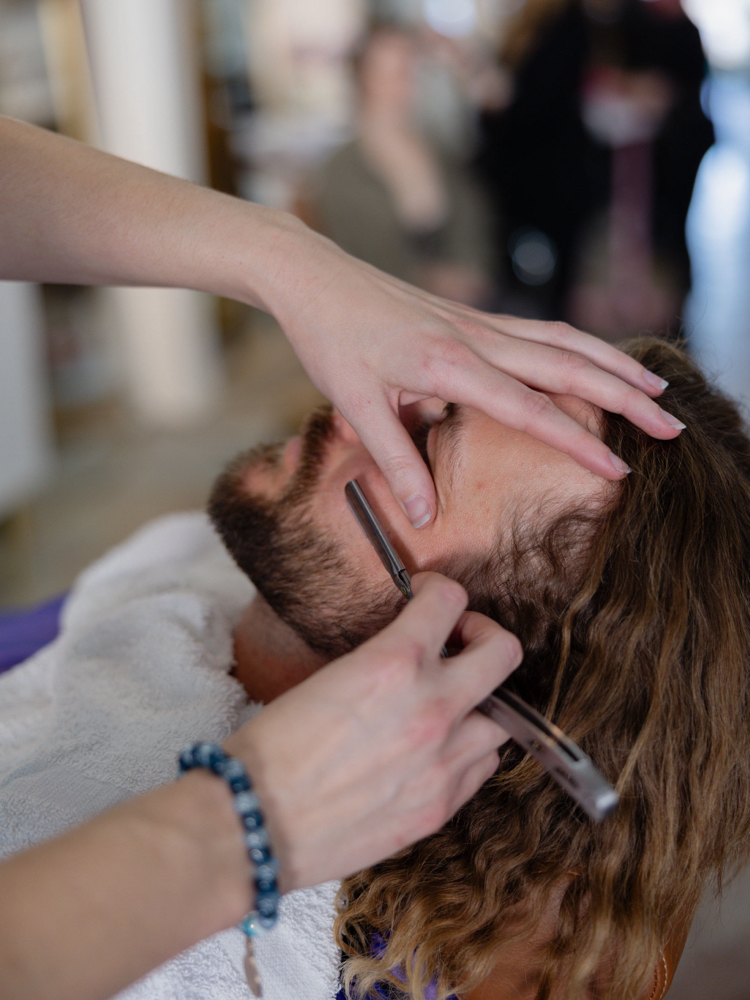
(487, 477)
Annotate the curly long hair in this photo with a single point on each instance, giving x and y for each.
(641, 653)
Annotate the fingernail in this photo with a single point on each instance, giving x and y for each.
(672, 421)
(618, 463)
(418, 511)
(654, 380)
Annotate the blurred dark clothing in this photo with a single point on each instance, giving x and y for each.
(544, 168)
(356, 210)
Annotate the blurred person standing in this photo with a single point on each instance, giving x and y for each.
(595, 157)
(390, 196)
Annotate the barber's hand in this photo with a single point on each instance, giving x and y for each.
(373, 344)
(382, 746)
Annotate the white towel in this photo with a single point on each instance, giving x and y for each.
(140, 669)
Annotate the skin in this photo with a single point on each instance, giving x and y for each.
(486, 474)
(373, 752)
(360, 759)
(403, 748)
(370, 343)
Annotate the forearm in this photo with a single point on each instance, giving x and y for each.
(73, 214)
(88, 913)
(372, 752)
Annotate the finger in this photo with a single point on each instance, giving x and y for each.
(472, 780)
(568, 338)
(433, 614)
(474, 738)
(506, 400)
(397, 457)
(567, 373)
(490, 655)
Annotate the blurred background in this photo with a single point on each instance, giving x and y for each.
(587, 160)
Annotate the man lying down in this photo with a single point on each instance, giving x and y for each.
(631, 601)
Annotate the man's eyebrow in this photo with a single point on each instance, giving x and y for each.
(450, 432)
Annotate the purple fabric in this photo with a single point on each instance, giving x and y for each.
(378, 947)
(22, 633)
(378, 995)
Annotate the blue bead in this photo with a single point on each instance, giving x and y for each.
(267, 869)
(252, 926)
(265, 885)
(268, 905)
(233, 768)
(259, 855)
(252, 821)
(256, 838)
(267, 922)
(247, 803)
(238, 783)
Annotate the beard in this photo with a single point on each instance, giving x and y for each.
(303, 576)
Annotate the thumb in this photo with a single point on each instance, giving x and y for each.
(397, 457)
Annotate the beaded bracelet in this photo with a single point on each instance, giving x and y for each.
(247, 806)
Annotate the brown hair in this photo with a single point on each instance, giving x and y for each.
(642, 655)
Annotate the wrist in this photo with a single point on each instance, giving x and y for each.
(282, 264)
(211, 757)
(192, 826)
(262, 244)
(267, 771)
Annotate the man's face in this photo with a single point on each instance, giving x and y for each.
(283, 514)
